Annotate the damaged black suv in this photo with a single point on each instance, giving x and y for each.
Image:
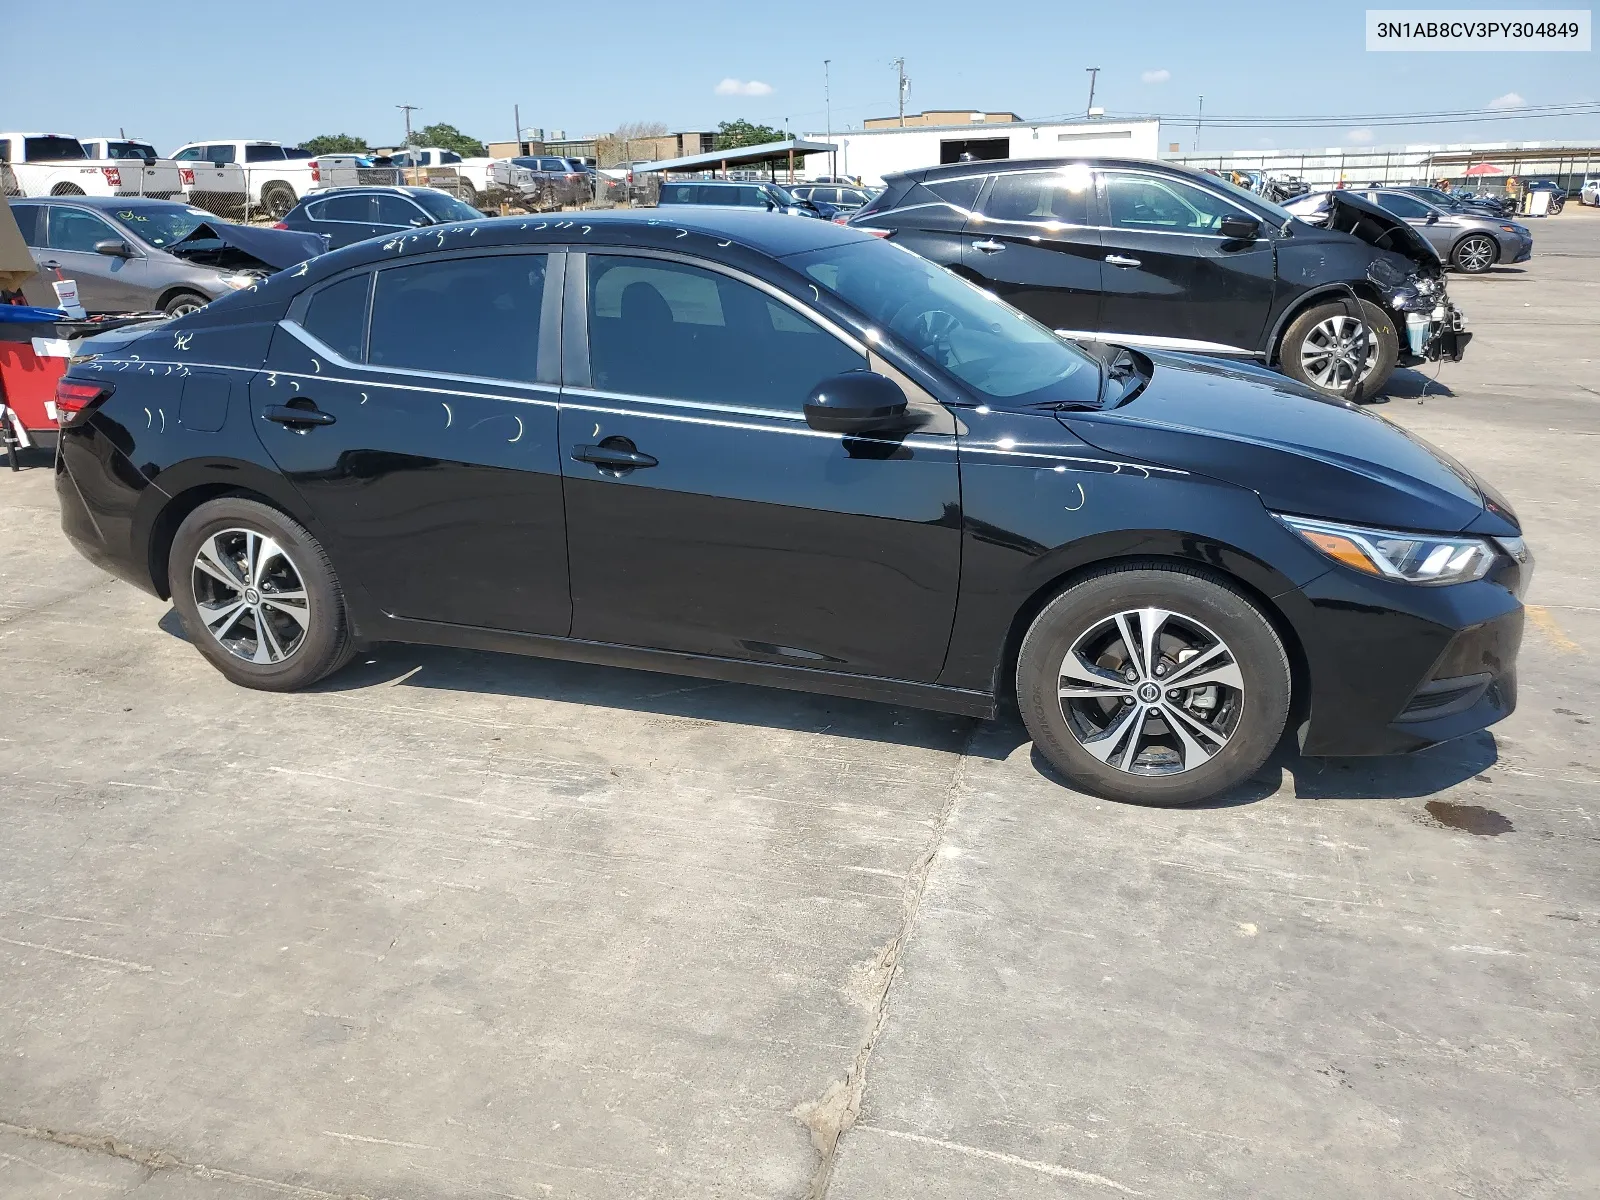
(1149, 254)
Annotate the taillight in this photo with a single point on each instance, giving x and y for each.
(74, 397)
(316, 172)
(113, 176)
(186, 176)
(280, 225)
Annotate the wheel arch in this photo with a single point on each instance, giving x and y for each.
(1172, 556)
(172, 293)
(1363, 288)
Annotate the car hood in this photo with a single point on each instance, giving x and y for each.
(274, 249)
(1301, 452)
(1365, 220)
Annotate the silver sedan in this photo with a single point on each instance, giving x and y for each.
(1469, 241)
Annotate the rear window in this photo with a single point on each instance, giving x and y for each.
(50, 149)
(264, 154)
(131, 150)
(680, 193)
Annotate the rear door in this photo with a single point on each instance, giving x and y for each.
(424, 435)
(1170, 279)
(1035, 247)
(106, 284)
(743, 533)
(345, 219)
(929, 218)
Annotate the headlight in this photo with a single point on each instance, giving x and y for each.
(239, 280)
(1424, 558)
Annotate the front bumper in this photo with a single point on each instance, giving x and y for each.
(1394, 667)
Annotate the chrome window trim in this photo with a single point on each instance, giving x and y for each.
(312, 343)
(913, 440)
(671, 402)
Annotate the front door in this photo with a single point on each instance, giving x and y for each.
(1170, 279)
(428, 442)
(106, 283)
(739, 531)
(1035, 247)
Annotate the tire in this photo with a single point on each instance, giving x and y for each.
(1330, 326)
(467, 193)
(277, 199)
(184, 303)
(66, 189)
(1233, 721)
(307, 637)
(1475, 254)
(1557, 203)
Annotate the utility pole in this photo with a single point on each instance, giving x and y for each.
(827, 104)
(409, 109)
(516, 115)
(899, 65)
(1199, 117)
(1094, 73)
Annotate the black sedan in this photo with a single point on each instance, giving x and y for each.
(353, 214)
(790, 453)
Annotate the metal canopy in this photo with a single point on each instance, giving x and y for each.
(743, 156)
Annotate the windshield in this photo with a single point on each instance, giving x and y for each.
(51, 149)
(162, 224)
(442, 207)
(988, 345)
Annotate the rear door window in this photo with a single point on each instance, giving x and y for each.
(395, 210)
(1039, 196)
(220, 155)
(337, 316)
(1402, 206)
(343, 208)
(30, 219)
(264, 154)
(460, 316)
(961, 192)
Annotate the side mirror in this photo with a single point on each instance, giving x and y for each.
(1433, 219)
(420, 221)
(856, 402)
(1241, 229)
(114, 248)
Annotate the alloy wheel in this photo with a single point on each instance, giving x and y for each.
(1475, 254)
(184, 307)
(250, 596)
(1151, 692)
(1329, 353)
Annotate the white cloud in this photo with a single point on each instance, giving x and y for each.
(741, 87)
(1359, 137)
(1509, 100)
(1160, 75)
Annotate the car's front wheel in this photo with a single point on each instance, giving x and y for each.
(257, 595)
(1345, 348)
(1153, 684)
(1475, 254)
(184, 303)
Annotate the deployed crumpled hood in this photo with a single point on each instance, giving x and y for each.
(1302, 453)
(274, 248)
(1365, 220)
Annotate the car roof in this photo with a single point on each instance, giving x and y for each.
(992, 165)
(108, 202)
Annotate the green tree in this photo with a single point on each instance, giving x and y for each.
(733, 134)
(335, 143)
(448, 137)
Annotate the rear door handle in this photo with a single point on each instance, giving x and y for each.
(1117, 260)
(615, 457)
(286, 415)
(51, 264)
(988, 245)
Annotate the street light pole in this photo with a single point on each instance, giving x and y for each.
(1198, 119)
(1094, 73)
(827, 104)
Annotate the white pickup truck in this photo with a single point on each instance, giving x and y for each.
(478, 176)
(265, 175)
(54, 164)
(144, 172)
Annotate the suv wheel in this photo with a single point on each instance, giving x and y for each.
(277, 199)
(258, 596)
(1322, 349)
(1475, 254)
(1153, 684)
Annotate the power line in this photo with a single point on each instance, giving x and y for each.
(1325, 120)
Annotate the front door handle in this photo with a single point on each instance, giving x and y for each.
(988, 245)
(1118, 260)
(286, 414)
(614, 457)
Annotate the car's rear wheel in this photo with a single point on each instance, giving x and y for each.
(1475, 254)
(258, 596)
(184, 303)
(1153, 684)
(1345, 348)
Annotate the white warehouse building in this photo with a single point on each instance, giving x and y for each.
(886, 147)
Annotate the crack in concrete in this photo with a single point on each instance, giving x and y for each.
(831, 1114)
(154, 1160)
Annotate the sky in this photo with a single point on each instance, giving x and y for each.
(298, 68)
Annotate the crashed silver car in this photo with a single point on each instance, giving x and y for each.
(135, 255)
(1467, 240)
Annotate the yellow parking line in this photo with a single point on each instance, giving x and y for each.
(1541, 617)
